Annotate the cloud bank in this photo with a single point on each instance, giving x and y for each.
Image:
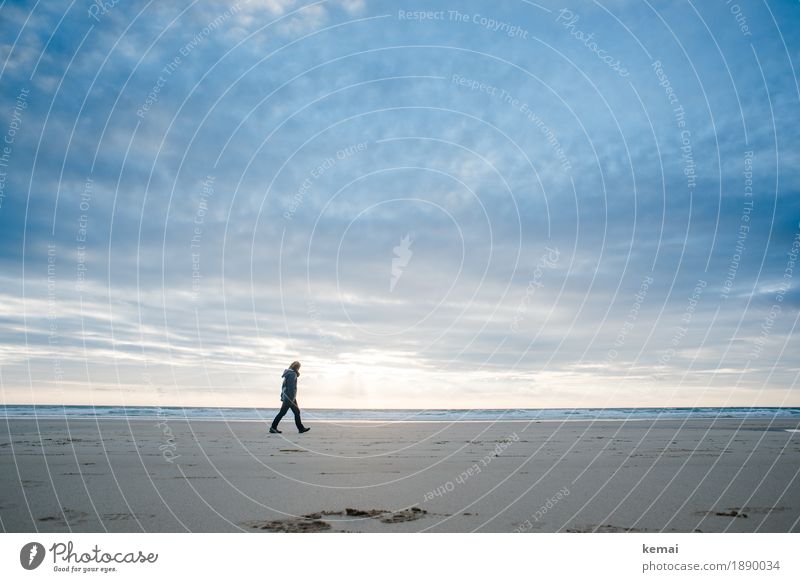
(499, 205)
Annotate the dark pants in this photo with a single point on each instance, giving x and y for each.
(284, 409)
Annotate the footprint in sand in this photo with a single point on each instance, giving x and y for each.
(293, 525)
(117, 516)
(313, 522)
(732, 512)
(607, 528)
(410, 514)
(69, 517)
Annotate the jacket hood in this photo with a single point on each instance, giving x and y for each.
(288, 371)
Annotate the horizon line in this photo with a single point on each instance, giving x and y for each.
(412, 409)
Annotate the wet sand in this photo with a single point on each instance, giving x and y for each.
(205, 476)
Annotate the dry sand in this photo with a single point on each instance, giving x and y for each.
(139, 475)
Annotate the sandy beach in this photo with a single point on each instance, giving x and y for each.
(205, 476)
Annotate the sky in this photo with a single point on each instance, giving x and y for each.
(429, 204)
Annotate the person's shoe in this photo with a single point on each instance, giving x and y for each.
(304, 429)
(274, 430)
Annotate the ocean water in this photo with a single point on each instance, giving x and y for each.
(363, 415)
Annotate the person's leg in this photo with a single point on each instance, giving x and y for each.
(296, 409)
(284, 409)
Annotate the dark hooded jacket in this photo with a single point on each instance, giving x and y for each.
(289, 388)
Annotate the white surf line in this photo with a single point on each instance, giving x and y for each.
(379, 421)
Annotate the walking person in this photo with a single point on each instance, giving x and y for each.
(289, 399)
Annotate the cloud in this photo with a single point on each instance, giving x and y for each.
(329, 131)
